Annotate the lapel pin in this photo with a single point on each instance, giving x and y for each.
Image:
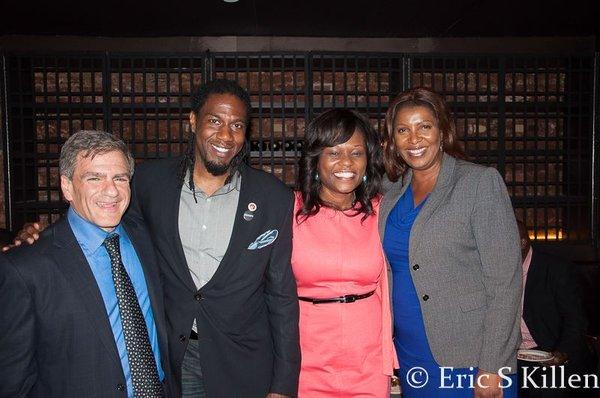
(248, 215)
(252, 206)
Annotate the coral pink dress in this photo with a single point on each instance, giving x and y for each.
(346, 348)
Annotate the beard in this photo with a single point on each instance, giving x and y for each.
(217, 168)
(214, 168)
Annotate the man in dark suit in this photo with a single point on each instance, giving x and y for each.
(223, 233)
(82, 311)
(553, 320)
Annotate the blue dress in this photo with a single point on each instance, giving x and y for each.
(416, 360)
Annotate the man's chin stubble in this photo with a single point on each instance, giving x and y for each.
(216, 169)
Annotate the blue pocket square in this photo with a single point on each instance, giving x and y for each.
(265, 239)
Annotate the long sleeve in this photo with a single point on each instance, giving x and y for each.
(493, 224)
(282, 303)
(17, 333)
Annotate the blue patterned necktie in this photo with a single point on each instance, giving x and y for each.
(142, 364)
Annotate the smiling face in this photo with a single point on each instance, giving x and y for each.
(99, 189)
(220, 127)
(417, 137)
(341, 169)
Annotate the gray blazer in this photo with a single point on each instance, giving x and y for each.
(465, 263)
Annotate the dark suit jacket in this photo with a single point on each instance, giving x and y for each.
(55, 336)
(247, 314)
(552, 307)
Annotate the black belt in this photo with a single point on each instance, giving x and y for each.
(349, 298)
(193, 335)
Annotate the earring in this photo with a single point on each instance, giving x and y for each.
(365, 178)
(317, 177)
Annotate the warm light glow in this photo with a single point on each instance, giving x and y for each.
(550, 234)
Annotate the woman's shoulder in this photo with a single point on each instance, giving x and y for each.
(469, 170)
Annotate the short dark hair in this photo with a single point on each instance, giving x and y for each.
(332, 128)
(197, 101)
(419, 96)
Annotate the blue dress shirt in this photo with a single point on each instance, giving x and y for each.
(90, 237)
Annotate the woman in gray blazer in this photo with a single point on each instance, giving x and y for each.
(449, 233)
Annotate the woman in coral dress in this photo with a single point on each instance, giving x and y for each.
(338, 261)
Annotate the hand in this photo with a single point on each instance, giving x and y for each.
(487, 385)
(560, 358)
(276, 395)
(29, 233)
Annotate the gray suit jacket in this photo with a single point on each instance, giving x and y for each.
(465, 263)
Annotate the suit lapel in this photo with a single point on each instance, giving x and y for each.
(145, 252)
(389, 201)
(242, 229)
(435, 199)
(72, 263)
(171, 222)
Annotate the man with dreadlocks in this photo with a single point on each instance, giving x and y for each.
(223, 232)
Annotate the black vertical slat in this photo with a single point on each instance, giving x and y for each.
(477, 108)
(208, 70)
(106, 94)
(272, 106)
(295, 120)
(356, 90)
(119, 73)
(333, 83)
(308, 88)
(284, 113)
(6, 146)
(156, 107)
(568, 135)
(595, 180)
(167, 114)
(560, 140)
(502, 115)
(144, 106)
(378, 68)
(131, 110)
(260, 110)
(580, 150)
(407, 61)
(69, 101)
(81, 106)
(543, 71)
(179, 108)
(23, 145)
(368, 91)
(345, 81)
(39, 163)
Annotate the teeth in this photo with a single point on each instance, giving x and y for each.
(416, 152)
(344, 174)
(220, 149)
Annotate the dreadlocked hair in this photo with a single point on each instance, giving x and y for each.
(197, 101)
